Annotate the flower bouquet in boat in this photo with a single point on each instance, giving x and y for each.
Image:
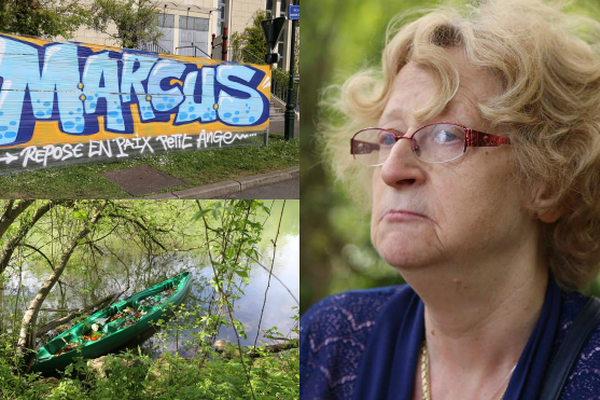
(113, 326)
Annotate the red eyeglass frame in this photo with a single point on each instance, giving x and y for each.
(473, 138)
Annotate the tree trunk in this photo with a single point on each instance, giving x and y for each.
(13, 242)
(27, 333)
(275, 348)
(10, 212)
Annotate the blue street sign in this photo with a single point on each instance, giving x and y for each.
(294, 12)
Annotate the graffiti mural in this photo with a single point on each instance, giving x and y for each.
(70, 102)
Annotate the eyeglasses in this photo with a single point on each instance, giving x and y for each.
(434, 143)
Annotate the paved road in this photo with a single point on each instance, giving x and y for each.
(289, 189)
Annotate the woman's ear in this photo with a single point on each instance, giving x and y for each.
(544, 202)
(550, 215)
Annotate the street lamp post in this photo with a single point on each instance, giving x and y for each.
(290, 115)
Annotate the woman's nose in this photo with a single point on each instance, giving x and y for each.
(402, 168)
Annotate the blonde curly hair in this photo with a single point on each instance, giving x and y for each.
(548, 63)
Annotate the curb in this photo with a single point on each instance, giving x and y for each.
(226, 188)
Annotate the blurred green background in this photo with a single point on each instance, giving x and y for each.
(339, 38)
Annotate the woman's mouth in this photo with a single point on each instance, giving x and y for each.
(398, 215)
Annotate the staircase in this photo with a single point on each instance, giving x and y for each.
(276, 112)
(154, 47)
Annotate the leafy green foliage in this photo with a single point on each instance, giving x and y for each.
(47, 19)
(209, 375)
(14, 384)
(136, 21)
(250, 45)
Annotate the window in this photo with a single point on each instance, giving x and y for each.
(193, 23)
(166, 20)
(269, 7)
(221, 18)
(281, 44)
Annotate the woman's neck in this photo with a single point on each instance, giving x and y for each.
(478, 320)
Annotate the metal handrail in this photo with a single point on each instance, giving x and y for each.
(154, 47)
(195, 47)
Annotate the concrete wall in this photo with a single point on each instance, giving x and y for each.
(242, 12)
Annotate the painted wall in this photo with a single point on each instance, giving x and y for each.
(62, 103)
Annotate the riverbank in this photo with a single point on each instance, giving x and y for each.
(136, 376)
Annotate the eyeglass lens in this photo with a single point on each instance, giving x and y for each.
(436, 143)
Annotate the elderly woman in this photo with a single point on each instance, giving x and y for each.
(482, 141)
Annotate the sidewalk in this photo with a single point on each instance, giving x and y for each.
(278, 126)
(228, 188)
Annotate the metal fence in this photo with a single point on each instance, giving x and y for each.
(279, 87)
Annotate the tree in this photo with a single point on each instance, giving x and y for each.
(136, 21)
(250, 45)
(74, 235)
(9, 212)
(27, 334)
(41, 18)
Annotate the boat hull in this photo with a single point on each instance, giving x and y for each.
(47, 362)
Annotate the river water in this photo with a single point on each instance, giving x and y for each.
(135, 268)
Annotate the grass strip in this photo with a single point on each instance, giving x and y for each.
(196, 168)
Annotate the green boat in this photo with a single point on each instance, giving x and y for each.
(113, 326)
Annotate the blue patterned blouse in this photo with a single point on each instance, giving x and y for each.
(335, 333)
